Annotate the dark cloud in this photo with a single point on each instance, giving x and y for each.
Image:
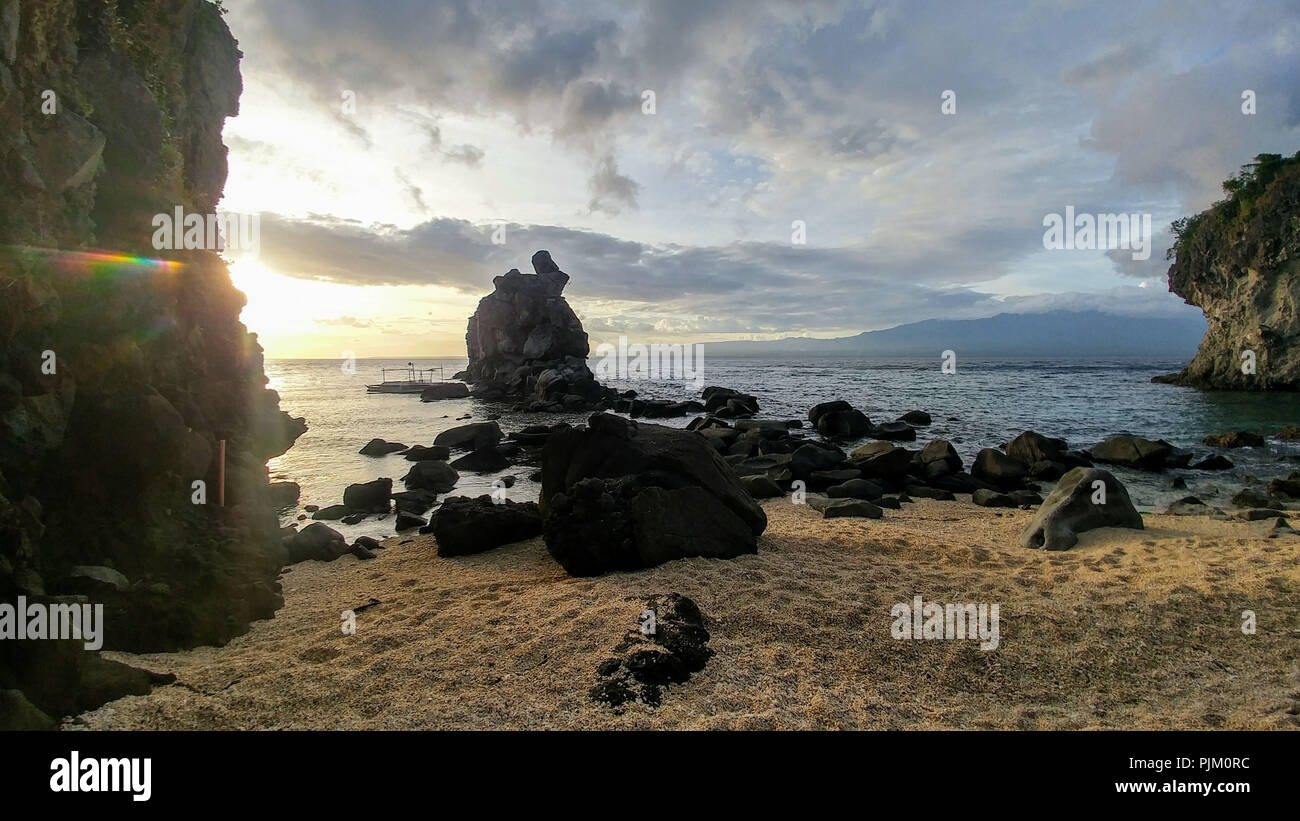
(610, 190)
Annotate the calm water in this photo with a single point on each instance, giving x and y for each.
(984, 404)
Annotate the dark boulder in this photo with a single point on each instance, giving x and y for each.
(1133, 451)
(761, 487)
(1070, 509)
(894, 431)
(847, 424)
(855, 508)
(316, 541)
(434, 475)
(669, 644)
(1214, 462)
(811, 457)
(991, 498)
(465, 525)
(421, 453)
(856, 489)
(817, 411)
(474, 436)
(881, 460)
(923, 492)
(283, 494)
(369, 497)
(996, 468)
(487, 460)
(939, 458)
(445, 390)
(614, 503)
(378, 447)
(916, 417)
(330, 513)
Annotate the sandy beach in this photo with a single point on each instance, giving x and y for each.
(1128, 630)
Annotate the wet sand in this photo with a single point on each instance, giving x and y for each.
(1128, 630)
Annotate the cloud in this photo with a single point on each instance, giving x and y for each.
(346, 321)
(767, 112)
(610, 189)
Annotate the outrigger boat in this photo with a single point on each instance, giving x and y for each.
(416, 380)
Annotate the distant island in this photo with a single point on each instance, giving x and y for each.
(1047, 334)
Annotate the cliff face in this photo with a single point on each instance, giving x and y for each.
(119, 374)
(1239, 262)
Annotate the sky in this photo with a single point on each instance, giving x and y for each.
(738, 169)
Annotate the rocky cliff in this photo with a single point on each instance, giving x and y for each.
(1239, 261)
(122, 367)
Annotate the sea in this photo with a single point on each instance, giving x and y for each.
(985, 403)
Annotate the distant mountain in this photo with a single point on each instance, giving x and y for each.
(1049, 334)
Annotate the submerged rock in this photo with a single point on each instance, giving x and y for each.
(1235, 439)
(1133, 451)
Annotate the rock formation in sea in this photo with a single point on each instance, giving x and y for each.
(526, 344)
(123, 368)
(1237, 261)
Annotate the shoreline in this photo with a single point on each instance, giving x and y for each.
(1128, 630)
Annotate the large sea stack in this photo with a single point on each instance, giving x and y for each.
(525, 343)
(1239, 261)
(122, 367)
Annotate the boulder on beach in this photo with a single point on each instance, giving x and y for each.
(619, 497)
(1133, 451)
(812, 457)
(316, 541)
(761, 487)
(939, 458)
(445, 390)
(855, 508)
(669, 643)
(997, 468)
(378, 447)
(1084, 499)
(368, 497)
(465, 525)
(881, 460)
(434, 475)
